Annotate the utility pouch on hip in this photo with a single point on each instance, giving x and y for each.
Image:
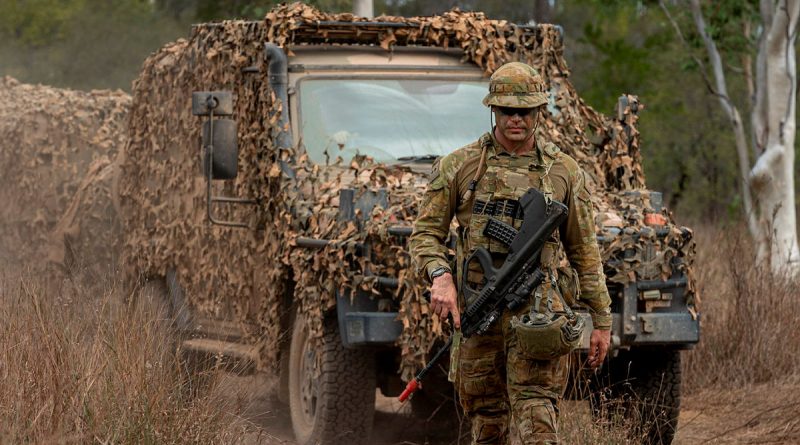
(546, 335)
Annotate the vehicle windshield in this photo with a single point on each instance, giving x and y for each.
(390, 120)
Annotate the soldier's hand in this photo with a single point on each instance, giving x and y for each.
(598, 347)
(444, 298)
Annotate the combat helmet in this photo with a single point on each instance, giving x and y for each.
(516, 85)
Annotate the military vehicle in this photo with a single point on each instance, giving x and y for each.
(276, 205)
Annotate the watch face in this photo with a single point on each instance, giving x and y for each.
(438, 272)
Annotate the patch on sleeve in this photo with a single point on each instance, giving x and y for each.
(437, 181)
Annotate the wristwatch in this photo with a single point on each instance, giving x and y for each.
(438, 272)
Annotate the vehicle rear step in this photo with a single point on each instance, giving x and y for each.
(224, 330)
(233, 357)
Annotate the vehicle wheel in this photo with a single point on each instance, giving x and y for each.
(157, 298)
(646, 386)
(163, 297)
(153, 298)
(282, 393)
(180, 312)
(334, 404)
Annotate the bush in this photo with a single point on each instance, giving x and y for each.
(82, 364)
(748, 316)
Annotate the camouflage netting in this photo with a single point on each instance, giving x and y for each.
(56, 174)
(243, 274)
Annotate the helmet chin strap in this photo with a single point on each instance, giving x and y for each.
(535, 127)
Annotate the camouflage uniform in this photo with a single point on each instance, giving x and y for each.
(495, 379)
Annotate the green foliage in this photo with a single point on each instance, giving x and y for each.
(81, 43)
(687, 144)
(210, 10)
(37, 22)
(725, 22)
(613, 47)
(518, 11)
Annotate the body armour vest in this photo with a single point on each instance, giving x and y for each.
(505, 178)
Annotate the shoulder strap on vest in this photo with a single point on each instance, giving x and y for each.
(550, 251)
(552, 154)
(486, 142)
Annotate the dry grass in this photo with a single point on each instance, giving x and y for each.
(579, 426)
(81, 363)
(78, 365)
(749, 336)
(615, 422)
(749, 324)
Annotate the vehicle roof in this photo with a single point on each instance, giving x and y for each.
(364, 58)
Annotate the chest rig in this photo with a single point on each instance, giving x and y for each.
(494, 192)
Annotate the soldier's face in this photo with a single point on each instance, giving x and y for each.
(515, 124)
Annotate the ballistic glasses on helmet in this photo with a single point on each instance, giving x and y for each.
(510, 111)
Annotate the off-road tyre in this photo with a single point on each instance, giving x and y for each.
(643, 385)
(282, 390)
(337, 406)
(152, 297)
(284, 352)
(157, 297)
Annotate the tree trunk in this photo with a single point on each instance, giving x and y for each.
(542, 12)
(363, 8)
(772, 176)
(767, 187)
(720, 89)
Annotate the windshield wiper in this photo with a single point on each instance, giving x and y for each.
(420, 158)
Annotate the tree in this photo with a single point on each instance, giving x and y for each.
(767, 182)
(210, 10)
(543, 11)
(363, 8)
(81, 43)
(518, 11)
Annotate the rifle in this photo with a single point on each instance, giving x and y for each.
(512, 284)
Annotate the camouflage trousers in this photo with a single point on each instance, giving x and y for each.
(509, 398)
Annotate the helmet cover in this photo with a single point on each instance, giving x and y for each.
(516, 85)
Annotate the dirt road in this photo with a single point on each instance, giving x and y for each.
(272, 425)
(764, 414)
(761, 414)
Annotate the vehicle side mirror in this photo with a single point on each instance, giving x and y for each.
(220, 146)
(220, 149)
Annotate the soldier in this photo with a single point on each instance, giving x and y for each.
(497, 384)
